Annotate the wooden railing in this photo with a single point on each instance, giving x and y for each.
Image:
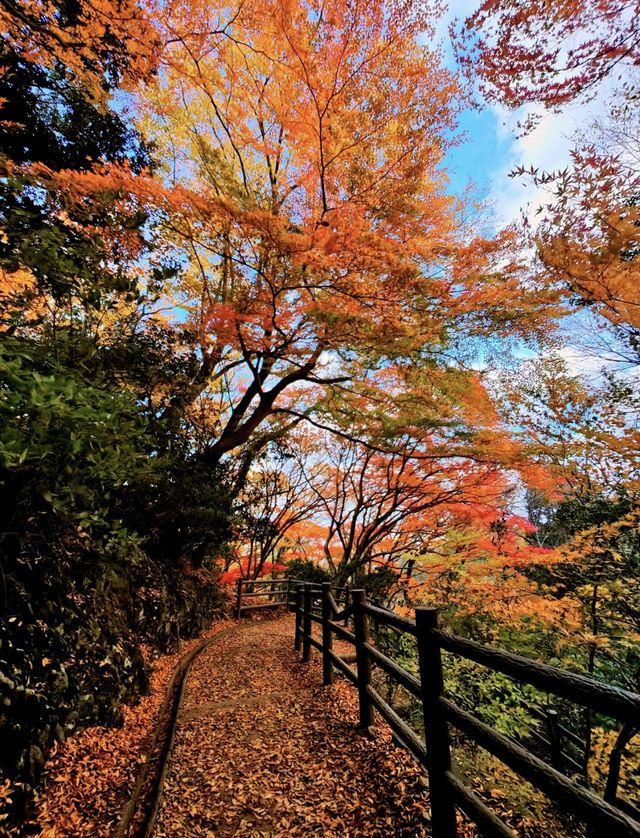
(316, 604)
(252, 594)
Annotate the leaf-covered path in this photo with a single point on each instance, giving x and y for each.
(262, 749)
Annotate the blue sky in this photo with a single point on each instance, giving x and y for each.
(477, 158)
(492, 147)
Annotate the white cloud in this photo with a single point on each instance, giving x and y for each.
(547, 148)
(580, 363)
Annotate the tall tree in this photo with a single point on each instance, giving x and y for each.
(302, 186)
(387, 511)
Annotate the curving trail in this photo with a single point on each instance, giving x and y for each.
(262, 749)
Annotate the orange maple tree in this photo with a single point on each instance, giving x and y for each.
(326, 274)
(380, 510)
(412, 522)
(303, 193)
(112, 39)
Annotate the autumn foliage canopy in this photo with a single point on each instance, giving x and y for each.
(245, 322)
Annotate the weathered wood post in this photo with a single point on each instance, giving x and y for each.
(327, 636)
(288, 594)
(555, 745)
(298, 632)
(436, 729)
(361, 631)
(306, 623)
(239, 599)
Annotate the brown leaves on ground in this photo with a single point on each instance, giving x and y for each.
(89, 779)
(263, 749)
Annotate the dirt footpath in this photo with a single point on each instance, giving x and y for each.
(262, 749)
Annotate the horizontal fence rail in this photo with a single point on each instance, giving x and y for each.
(317, 604)
(253, 594)
(612, 701)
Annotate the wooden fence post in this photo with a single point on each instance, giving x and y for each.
(306, 623)
(436, 729)
(361, 631)
(297, 643)
(555, 745)
(288, 594)
(327, 636)
(239, 599)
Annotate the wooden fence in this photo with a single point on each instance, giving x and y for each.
(252, 594)
(316, 604)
